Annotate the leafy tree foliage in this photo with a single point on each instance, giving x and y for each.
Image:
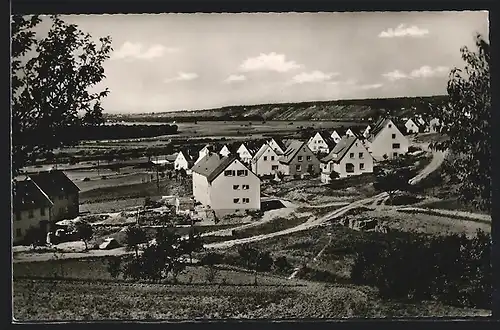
(193, 243)
(34, 236)
(85, 232)
(52, 78)
(135, 235)
(466, 120)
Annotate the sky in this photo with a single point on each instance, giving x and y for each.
(169, 62)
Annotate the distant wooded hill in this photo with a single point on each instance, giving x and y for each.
(317, 110)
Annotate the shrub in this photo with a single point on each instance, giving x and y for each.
(402, 199)
(212, 258)
(452, 269)
(281, 264)
(114, 266)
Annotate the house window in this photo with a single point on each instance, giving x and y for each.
(30, 214)
(351, 155)
(274, 167)
(298, 168)
(18, 215)
(228, 173)
(236, 200)
(390, 125)
(308, 158)
(361, 166)
(19, 233)
(236, 187)
(349, 168)
(309, 168)
(242, 172)
(395, 146)
(360, 155)
(42, 211)
(393, 136)
(246, 200)
(246, 187)
(300, 158)
(272, 157)
(265, 158)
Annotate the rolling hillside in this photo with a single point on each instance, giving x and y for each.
(318, 110)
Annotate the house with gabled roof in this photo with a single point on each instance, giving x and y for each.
(298, 159)
(63, 193)
(336, 135)
(366, 131)
(434, 125)
(225, 184)
(247, 150)
(32, 208)
(277, 144)
(321, 142)
(386, 140)
(350, 132)
(203, 152)
(413, 126)
(266, 161)
(224, 151)
(183, 160)
(349, 157)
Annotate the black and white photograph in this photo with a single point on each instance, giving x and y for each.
(243, 166)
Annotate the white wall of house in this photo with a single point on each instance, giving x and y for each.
(367, 130)
(434, 125)
(23, 220)
(336, 136)
(181, 162)
(268, 163)
(225, 151)
(275, 146)
(318, 144)
(356, 161)
(349, 133)
(229, 193)
(389, 141)
(244, 154)
(201, 189)
(411, 127)
(202, 153)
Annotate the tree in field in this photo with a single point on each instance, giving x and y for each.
(135, 235)
(465, 120)
(193, 243)
(52, 78)
(85, 232)
(334, 175)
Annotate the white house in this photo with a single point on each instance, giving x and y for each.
(386, 140)
(225, 185)
(266, 161)
(321, 142)
(413, 126)
(244, 153)
(32, 208)
(183, 160)
(434, 125)
(366, 131)
(224, 151)
(336, 136)
(298, 160)
(349, 132)
(277, 145)
(349, 157)
(203, 152)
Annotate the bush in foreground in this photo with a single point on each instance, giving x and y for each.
(453, 269)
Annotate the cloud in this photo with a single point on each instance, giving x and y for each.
(138, 51)
(371, 86)
(235, 77)
(395, 75)
(182, 76)
(422, 72)
(268, 62)
(404, 31)
(427, 72)
(312, 77)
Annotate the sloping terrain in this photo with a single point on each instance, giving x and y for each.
(317, 110)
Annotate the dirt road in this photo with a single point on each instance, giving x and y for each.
(307, 225)
(437, 160)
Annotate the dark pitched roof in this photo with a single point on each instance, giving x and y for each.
(253, 146)
(279, 142)
(207, 164)
(378, 127)
(340, 149)
(327, 137)
(28, 196)
(223, 164)
(290, 152)
(187, 155)
(55, 183)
